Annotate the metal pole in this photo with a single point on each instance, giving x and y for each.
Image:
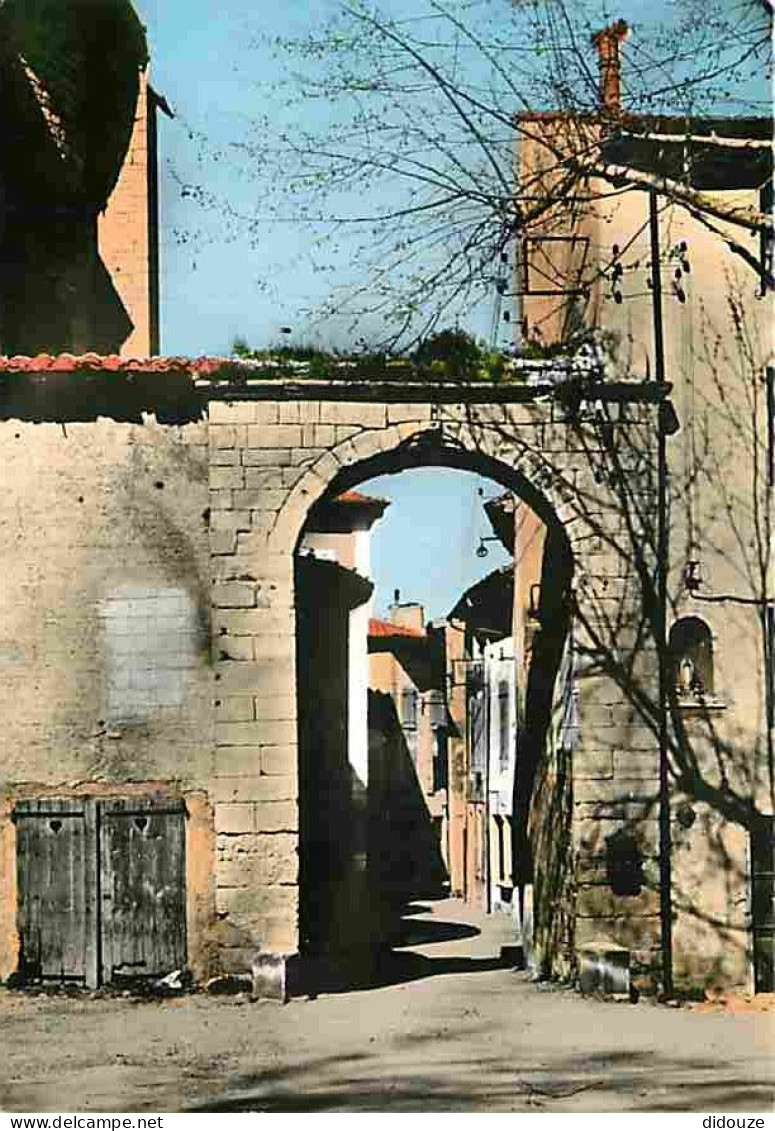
(488, 752)
(665, 877)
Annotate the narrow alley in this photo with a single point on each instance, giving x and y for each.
(451, 1029)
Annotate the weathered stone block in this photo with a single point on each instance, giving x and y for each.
(598, 900)
(232, 412)
(266, 412)
(234, 648)
(256, 861)
(261, 498)
(614, 790)
(229, 521)
(228, 436)
(226, 477)
(267, 457)
(263, 732)
(263, 521)
(591, 835)
(234, 818)
(279, 759)
(234, 595)
(237, 761)
(636, 764)
(235, 709)
(267, 676)
(293, 412)
(258, 787)
(225, 457)
(252, 622)
(638, 932)
(264, 478)
(291, 476)
(275, 707)
(303, 457)
(351, 412)
(223, 541)
(274, 436)
(250, 905)
(400, 413)
(277, 816)
(593, 764)
(614, 809)
(282, 935)
(318, 435)
(345, 432)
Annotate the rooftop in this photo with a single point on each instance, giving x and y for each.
(382, 629)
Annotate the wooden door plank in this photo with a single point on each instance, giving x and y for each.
(143, 885)
(52, 851)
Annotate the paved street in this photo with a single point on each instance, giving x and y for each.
(457, 1033)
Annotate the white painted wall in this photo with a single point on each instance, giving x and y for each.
(358, 689)
(499, 669)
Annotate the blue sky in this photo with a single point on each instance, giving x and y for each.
(219, 66)
(216, 65)
(437, 514)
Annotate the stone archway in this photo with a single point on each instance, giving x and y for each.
(272, 459)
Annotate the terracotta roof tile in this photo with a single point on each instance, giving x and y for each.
(356, 498)
(112, 363)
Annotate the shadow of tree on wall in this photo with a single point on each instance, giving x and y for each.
(721, 772)
(543, 795)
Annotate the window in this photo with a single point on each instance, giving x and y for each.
(691, 657)
(408, 708)
(437, 710)
(478, 716)
(503, 725)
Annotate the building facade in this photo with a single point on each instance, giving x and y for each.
(79, 259)
(121, 739)
(667, 277)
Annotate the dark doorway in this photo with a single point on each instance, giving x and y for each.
(763, 904)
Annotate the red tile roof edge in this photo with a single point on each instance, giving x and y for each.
(385, 628)
(357, 498)
(111, 363)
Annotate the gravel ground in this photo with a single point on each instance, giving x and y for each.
(455, 1032)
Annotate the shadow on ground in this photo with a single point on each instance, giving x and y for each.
(615, 1080)
(419, 932)
(391, 968)
(395, 964)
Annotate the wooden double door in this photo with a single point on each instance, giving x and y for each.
(101, 888)
(763, 903)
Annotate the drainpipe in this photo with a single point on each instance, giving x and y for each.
(769, 580)
(488, 752)
(665, 877)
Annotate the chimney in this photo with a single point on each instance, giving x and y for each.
(607, 43)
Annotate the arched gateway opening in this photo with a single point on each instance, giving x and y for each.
(293, 456)
(402, 796)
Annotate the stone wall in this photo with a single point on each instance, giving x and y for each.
(270, 461)
(148, 640)
(105, 672)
